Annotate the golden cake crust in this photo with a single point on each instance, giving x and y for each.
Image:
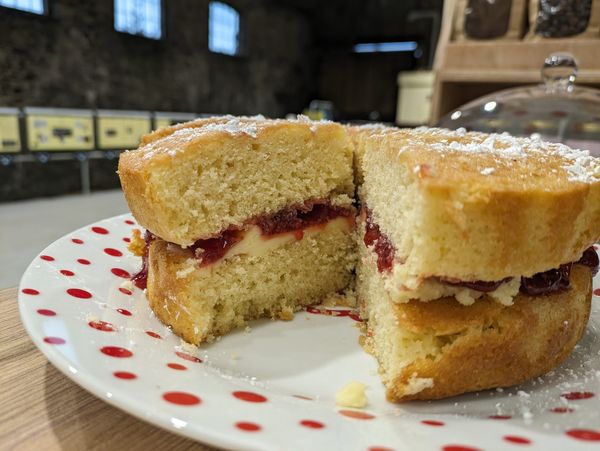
(486, 207)
(490, 345)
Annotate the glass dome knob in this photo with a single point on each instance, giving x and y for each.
(559, 72)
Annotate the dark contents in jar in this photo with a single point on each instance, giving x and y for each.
(562, 18)
(485, 19)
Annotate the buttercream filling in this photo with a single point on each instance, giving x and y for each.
(465, 292)
(259, 235)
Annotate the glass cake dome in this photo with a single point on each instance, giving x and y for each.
(556, 110)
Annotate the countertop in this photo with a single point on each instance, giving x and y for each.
(41, 409)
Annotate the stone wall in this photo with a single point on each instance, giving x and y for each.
(74, 58)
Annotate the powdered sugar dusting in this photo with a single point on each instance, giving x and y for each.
(579, 165)
(503, 145)
(173, 143)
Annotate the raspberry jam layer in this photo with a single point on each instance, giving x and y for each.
(140, 279)
(558, 279)
(291, 220)
(541, 283)
(294, 219)
(478, 285)
(213, 249)
(301, 216)
(382, 246)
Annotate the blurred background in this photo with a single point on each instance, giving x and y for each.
(81, 81)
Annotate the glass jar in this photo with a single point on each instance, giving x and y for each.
(556, 110)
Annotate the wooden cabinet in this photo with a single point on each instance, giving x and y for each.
(468, 69)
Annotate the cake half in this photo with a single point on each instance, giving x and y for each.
(245, 218)
(473, 253)
(475, 263)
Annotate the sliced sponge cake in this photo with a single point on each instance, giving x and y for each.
(472, 251)
(246, 218)
(474, 265)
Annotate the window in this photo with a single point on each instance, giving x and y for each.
(223, 29)
(139, 17)
(30, 6)
(401, 46)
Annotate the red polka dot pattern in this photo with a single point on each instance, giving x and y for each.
(124, 375)
(517, 440)
(561, 410)
(249, 396)
(153, 334)
(113, 252)
(356, 414)
(433, 423)
(188, 357)
(46, 312)
(311, 424)
(247, 426)
(116, 351)
(102, 326)
(300, 423)
(181, 398)
(587, 435)
(576, 395)
(459, 448)
(79, 293)
(119, 272)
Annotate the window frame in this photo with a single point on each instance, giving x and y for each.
(15, 10)
(141, 36)
(239, 41)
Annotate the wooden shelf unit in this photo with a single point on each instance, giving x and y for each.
(468, 69)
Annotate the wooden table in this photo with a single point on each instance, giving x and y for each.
(42, 409)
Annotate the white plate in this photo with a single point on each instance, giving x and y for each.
(273, 387)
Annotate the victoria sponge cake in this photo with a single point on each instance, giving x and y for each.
(475, 261)
(470, 254)
(245, 218)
